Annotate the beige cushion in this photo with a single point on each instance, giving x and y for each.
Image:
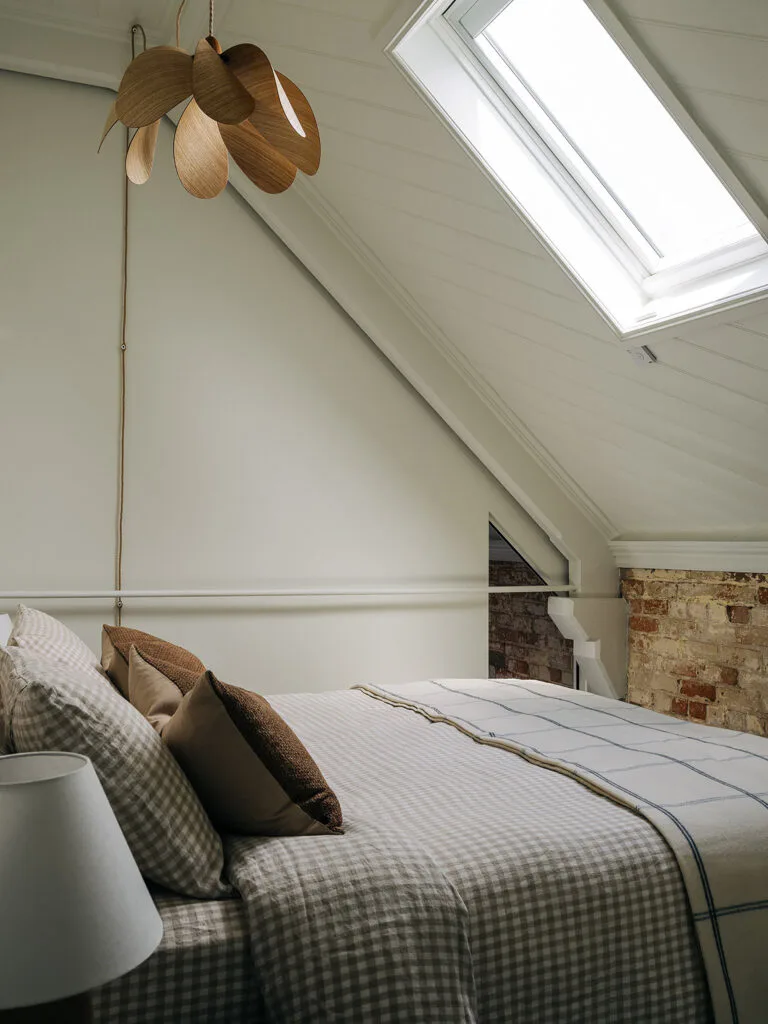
(252, 773)
(150, 692)
(54, 706)
(178, 664)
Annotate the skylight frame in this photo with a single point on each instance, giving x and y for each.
(436, 59)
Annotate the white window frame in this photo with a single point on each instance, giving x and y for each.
(634, 290)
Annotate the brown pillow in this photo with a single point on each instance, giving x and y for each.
(176, 663)
(250, 770)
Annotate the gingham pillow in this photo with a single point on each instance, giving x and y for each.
(38, 633)
(54, 706)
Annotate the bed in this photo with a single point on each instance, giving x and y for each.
(472, 884)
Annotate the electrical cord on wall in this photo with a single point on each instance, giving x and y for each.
(135, 29)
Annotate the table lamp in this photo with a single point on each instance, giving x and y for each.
(74, 910)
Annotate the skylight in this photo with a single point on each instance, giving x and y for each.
(571, 131)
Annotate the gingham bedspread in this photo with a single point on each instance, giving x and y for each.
(470, 885)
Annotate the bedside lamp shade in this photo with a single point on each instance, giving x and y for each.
(74, 910)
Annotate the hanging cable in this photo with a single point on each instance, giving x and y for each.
(210, 17)
(135, 29)
(179, 13)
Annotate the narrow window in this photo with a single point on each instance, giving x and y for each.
(524, 643)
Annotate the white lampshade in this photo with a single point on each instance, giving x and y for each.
(74, 910)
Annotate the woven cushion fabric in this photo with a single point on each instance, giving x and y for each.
(37, 633)
(54, 706)
(252, 773)
(176, 663)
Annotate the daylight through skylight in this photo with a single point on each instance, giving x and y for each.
(593, 105)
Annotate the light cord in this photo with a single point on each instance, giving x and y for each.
(210, 17)
(179, 13)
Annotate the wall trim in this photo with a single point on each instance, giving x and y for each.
(705, 555)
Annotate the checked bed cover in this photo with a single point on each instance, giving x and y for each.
(470, 886)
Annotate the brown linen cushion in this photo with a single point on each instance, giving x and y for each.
(176, 663)
(250, 770)
(150, 692)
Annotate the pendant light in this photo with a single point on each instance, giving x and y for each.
(239, 107)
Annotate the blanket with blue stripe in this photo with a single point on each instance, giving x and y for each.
(704, 789)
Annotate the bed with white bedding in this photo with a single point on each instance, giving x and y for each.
(471, 884)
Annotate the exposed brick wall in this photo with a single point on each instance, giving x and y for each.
(698, 645)
(524, 642)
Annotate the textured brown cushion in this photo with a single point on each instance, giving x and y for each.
(176, 663)
(250, 770)
(150, 692)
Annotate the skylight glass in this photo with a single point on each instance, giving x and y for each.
(598, 114)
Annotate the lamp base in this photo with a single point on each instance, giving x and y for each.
(75, 1010)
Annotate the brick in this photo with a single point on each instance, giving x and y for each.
(655, 607)
(739, 613)
(697, 711)
(643, 624)
(679, 706)
(678, 609)
(736, 720)
(632, 589)
(756, 725)
(729, 676)
(693, 688)
(762, 595)
(686, 669)
(555, 675)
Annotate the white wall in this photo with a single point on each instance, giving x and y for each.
(269, 444)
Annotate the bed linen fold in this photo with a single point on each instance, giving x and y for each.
(704, 789)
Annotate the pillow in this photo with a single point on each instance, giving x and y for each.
(38, 633)
(252, 773)
(150, 692)
(54, 706)
(174, 662)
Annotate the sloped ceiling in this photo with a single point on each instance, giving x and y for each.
(677, 449)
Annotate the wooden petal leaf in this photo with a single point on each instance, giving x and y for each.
(200, 155)
(153, 84)
(267, 169)
(272, 115)
(310, 145)
(218, 92)
(109, 124)
(141, 153)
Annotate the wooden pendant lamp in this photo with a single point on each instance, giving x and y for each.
(239, 107)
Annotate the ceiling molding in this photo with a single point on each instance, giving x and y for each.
(450, 352)
(704, 555)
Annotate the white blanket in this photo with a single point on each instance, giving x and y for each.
(704, 789)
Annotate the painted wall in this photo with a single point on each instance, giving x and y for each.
(269, 444)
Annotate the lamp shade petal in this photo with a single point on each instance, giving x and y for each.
(307, 155)
(109, 124)
(141, 153)
(199, 153)
(153, 83)
(266, 168)
(76, 909)
(274, 115)
(218, 92)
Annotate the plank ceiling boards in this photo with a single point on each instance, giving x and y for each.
(670, 450)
